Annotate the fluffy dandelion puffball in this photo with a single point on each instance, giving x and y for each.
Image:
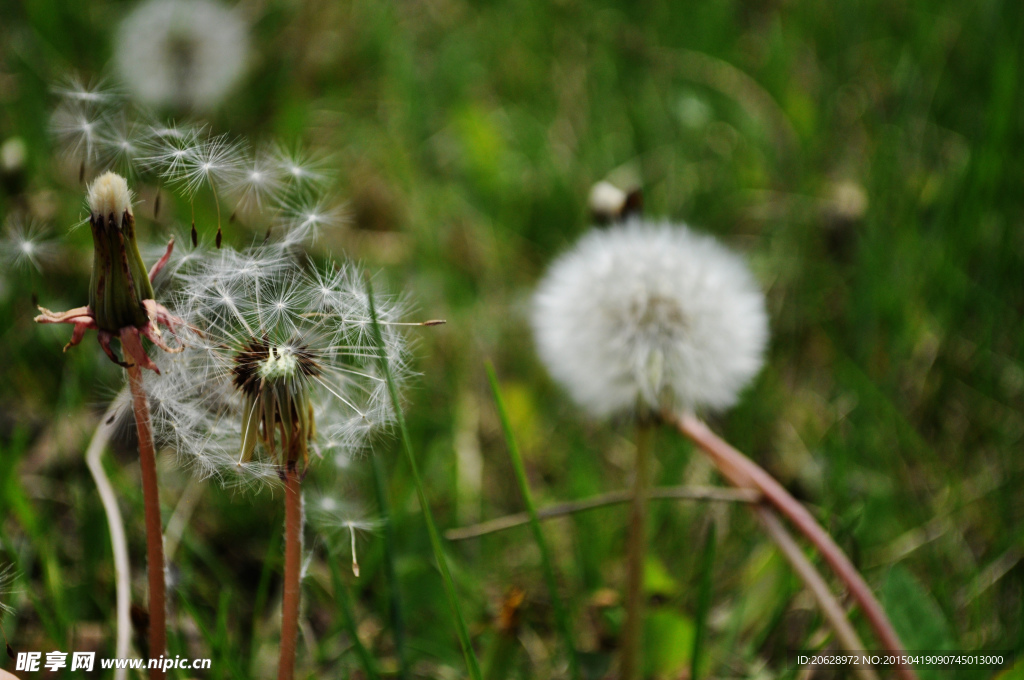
(279, 365)
(185, 54)
(644, 316)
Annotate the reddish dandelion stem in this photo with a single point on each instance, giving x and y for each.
(292, 568)
(745, 473)
(154, 526)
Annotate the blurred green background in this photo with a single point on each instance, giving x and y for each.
(864, 155)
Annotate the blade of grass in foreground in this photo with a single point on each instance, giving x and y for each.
(707, 564)
(561, 615)
(435, 539)
(397, 611)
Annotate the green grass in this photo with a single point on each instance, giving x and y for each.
(867, 163)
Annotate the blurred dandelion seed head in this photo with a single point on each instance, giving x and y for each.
(650, 315)
(182, 54)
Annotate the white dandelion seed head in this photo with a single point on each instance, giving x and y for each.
(185, 54)
(26, 244)
(255, 321)
(650, 315)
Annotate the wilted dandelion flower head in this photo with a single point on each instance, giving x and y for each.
(186, 54)
(279, 365)
(644, 316)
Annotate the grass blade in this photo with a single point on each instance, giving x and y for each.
(397, 611)
(435, 539)
(561, 615)
(707, 564)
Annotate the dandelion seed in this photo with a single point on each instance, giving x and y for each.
(7, 578)
(258, 185)
(302, 168)
(78, 128)
(25, 244)
(303, 221)
(342, 521)
(181, 53)
(122, 145)
(649, 315)
(74, 88)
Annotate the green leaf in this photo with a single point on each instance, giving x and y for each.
(668, 641)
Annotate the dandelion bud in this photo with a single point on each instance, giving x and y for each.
(119, 279)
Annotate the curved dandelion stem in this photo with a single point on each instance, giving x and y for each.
(745, 473)
(154, 526)
(830, 607)
(292, 569)
(118, 541)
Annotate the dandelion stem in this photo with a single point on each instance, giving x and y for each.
(435, 539)
(561, 616)
(292, 569)
(679, 493)
(632, 630)
(814, 581)
(118, 540)
(154, 526)
(745, 473)
(397, 611)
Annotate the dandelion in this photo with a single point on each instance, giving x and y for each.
(184, 54)
(276, 363)
(122, 304)
(655, 321)
(25, 244)
(273, 371)
(645, 316)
